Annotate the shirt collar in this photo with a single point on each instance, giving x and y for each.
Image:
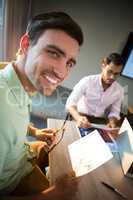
(13, 82)
(10, 75)
(100, 82)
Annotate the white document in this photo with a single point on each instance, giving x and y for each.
(125, 147)
(113, 146)
(103, 127)
(88, 153)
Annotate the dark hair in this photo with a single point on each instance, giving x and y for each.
(115, 58)
(53, 20)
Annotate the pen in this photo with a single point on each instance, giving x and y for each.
(114, 189)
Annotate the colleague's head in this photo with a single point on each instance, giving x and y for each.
(49, 49)
(111, 68)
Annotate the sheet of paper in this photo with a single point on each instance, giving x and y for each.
(103, 127)
(113, 146)
(125, 147)
(88, 153)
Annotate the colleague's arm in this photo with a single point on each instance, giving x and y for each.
(81, 121)
(114, 115)
(72, 101)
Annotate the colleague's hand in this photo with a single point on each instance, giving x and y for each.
(112, 125)
(114, 134)
(83, 122)
(47, 135)
(65, 188)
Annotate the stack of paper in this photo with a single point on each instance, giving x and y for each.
(88, 153)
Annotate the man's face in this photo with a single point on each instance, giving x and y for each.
(110, 73)
(50, 60)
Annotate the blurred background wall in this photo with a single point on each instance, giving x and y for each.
(106, 25)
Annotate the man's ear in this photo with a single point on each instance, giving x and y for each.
(103, 65)
(24, 43)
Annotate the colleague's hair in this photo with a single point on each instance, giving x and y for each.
(53, 20)
(115, 58)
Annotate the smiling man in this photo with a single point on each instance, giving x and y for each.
(47, 53)
(98, 95)
(49, 62)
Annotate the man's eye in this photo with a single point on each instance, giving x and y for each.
(70, 64)
(53, 54)
(109, 72)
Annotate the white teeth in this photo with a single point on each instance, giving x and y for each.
(53, 81)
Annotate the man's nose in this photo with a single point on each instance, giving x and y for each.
(61, 69)
(112, 76)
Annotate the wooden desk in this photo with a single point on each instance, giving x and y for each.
(90, 187)
(130, 109)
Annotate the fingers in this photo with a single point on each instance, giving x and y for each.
(48, 130)
(114, 134)
(49, 137)
(42, 145)
(36, 146)
(111, 125)
(83, 122)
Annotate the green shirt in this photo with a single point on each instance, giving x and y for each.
(14, 119)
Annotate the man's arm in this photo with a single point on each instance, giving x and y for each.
(114, 115)
(65, 188)
(72, 101)
(81, 121)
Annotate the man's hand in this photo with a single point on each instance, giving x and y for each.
(113, 133)
(47, 135)
(64, 189)
(83, 122)
(113, 123)
(37, 146)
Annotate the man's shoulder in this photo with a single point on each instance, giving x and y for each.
(119, 87)
(7, 76)
(3, 84)
(91, 77)
(5, 72)
(88, 81)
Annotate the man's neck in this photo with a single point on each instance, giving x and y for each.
(27, 85)
(105, 85)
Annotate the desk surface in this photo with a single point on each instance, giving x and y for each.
(90, 187)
